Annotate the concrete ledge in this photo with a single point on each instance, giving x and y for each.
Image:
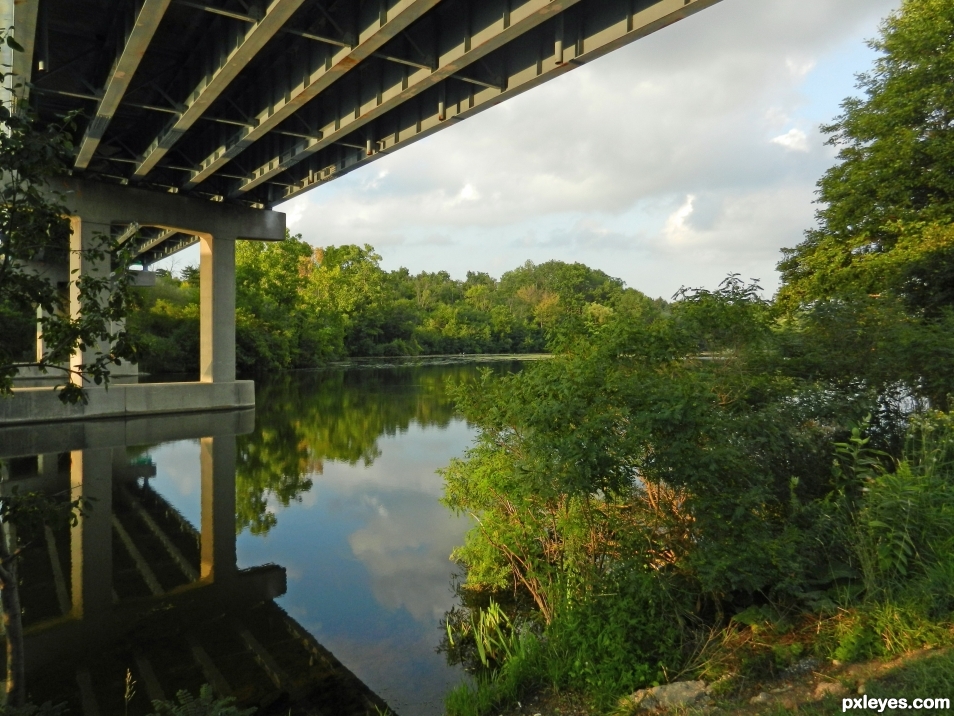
(23, 439)
(41, 405)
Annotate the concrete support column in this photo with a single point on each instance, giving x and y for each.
(82, 263)
(217, 310)
(91, 540)
(40, 343)
(218, 508)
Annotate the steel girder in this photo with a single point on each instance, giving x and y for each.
(230, 53)
(143, 28)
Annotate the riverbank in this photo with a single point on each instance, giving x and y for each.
(444, 359)
(815, 690)
(375, 363)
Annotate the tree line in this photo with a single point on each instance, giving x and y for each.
(299, 307)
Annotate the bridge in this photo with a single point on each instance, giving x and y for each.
(198, 117)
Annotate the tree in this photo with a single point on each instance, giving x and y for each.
(34, 229)
(887, 207)
(275, 327)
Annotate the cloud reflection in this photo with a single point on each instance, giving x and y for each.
(405, 547)
(405, 535)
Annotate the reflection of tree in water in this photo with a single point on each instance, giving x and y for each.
(303, 419)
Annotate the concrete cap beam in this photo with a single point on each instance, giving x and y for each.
(109, 204)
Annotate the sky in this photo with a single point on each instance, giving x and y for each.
(688, 155)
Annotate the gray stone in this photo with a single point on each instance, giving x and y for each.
(762, 698)
(667, 696)
(800, 668)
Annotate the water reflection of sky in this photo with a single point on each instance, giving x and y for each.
(366, 552)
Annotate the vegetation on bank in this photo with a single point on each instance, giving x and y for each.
(299, 307)
(722, 486)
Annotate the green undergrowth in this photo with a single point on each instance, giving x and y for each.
(634, 627)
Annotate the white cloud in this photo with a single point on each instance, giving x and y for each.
(375, 180)
(794, 140)
(799, 67)
(676, 229)
(467, 193)
(295, 211)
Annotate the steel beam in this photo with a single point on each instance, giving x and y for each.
(369, 41)
(302, 115)
(150, 244)
(590, 30)
(471, 48)
(169, 249)
(127, 233)
(150, 14)
(215, 83)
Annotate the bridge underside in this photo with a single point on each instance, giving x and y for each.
(195, 117)
(257, 101)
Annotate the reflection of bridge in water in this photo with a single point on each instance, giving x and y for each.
(135, 586)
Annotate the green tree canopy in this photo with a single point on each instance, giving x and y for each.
(887, 206)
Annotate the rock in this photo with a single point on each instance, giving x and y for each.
(682, 693)
(829, 688)
(800, 668)
(678, 694)
(643, 700)
(762, 698)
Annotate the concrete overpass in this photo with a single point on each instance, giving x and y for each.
(200, 116)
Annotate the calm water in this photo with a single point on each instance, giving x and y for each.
(337, 484)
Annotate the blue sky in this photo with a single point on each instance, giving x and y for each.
(687, 155)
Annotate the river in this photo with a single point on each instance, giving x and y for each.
(337, 484)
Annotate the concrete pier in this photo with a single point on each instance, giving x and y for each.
(98, 209)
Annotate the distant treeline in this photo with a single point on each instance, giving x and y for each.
(299, 306)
